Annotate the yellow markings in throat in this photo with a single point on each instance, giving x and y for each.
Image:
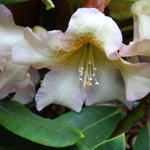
(87, 69)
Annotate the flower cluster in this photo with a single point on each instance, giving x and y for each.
(85, 62)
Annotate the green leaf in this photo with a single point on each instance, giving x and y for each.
(128, 28)
(12, 1)
(74, 5)
(80, 146)
(19, 120)
(143, 140)
(96, 123)
(117, 143)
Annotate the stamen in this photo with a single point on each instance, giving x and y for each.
(87, 68)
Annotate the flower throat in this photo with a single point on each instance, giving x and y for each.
(87, 68)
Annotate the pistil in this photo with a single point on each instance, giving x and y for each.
(87, 68)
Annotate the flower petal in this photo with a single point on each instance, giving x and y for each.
(137, 79)
(25, 95)
(6, 15)
(13, 78)
(143, 23)
(62, 87)
(45, 47)
(141, 15)
(9, 34)
(120, 80)
(141, 47)
(111, 85)
(35, 76)
(89, 25)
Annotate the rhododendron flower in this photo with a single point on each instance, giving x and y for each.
(141, 43)
(85, 66)
(13, 77)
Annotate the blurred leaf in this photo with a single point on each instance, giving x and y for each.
(128, 28)
(143, 139)
(19, 120)
(96, 123)
(12, 1)
(74, 4)
(122, 12)
(49, 4)
(117, 143)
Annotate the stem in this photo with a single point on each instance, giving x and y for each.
(148, 110)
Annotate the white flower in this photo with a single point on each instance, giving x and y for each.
(86, 67)
(141, 42)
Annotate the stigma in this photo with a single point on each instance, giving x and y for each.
(87, 69)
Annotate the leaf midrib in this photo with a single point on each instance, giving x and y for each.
(28, 119)
(96, 122)
(110, 115)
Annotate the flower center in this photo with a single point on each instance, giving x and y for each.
(87, 68)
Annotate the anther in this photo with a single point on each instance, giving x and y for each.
(96, 83)
(87, 70)
(90, 79)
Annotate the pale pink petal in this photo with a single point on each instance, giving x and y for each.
(9, 32)
(111, 85)
(5, 15)
(39, 49)
(25, 95)
(13, 78)
(140, 47)
(136, 78)
(35, 76)
(119, 80)
(62, 87)
(110, 88)
(141, 17)
(89, 25)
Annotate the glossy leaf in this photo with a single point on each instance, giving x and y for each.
(96, 123)
(117, 143)
(19, 120)
(80, 146)
(143, 139)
